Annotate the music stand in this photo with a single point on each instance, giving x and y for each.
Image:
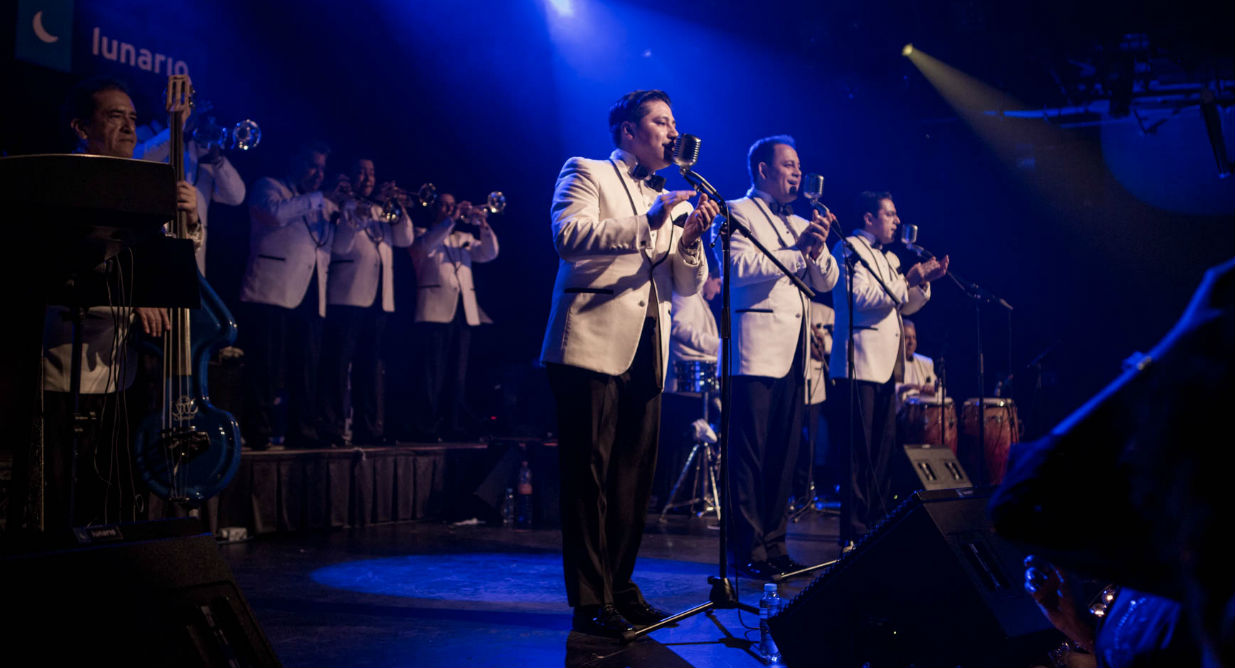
(78, 213)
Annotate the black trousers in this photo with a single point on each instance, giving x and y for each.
(607, 439)
(765, 438)
(351, 348)
(282, 354)
(440, 378)
(866, 493)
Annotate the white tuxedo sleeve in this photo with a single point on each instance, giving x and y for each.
(431, 238)
(270, 207)
(346, 231)
(155, 149)
(868, 295)
(748, 264)
(578, 230)
(228, 186)
(401, 232)
(823, 274)
(685, 326)
(486, 248)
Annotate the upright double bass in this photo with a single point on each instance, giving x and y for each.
(189, 450)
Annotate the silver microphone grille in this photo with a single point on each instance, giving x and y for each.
(814, 186)
(686, 151)
(909, 234)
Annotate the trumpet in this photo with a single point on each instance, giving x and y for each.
(242, 136)
(495, 203)
(393, 202)
(426, 195)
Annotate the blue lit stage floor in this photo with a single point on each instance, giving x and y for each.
(428, 594)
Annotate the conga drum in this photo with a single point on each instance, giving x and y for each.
(919, 422)
(1002, 430)
(696, 376)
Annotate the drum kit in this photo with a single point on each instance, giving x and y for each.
(703, 462)
(924, 421)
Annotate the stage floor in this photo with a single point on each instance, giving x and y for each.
(432, 594)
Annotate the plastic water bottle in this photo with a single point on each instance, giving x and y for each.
(768, 605)
(523, 502)
(508, 509)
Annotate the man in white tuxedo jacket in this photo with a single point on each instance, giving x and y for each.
(359, 294)
(878, 357)
(446, 312)
(210, 172)
(292, 227)
(606, 346)
(772, 356)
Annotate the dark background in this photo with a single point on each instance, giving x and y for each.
(1096, 226)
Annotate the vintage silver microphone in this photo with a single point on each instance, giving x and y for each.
(909, 237)
(686, 152)
(685, 155)
(813, 190)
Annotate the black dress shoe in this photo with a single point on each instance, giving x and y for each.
(785, 564)
(758, 570)
(641, 613)
(600, 620)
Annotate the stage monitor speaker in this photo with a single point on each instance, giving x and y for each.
(929, 586)
(926, 467)
(147, 594)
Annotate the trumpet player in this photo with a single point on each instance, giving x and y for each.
(359, 294)
(205, 166)
(292, 234)
(446, 311)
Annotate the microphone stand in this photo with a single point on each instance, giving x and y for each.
(979, 296)
(852, 258)
(722, 595)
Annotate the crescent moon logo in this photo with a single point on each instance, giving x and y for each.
(40, 32)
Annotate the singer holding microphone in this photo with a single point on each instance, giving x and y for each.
(878, 356)
(606, 345)
(771, 339)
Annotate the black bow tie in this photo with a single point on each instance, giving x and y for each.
(779, 209)
(653, 181)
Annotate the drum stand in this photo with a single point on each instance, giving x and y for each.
(704, 458)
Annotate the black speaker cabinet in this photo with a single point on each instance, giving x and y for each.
(926, 467)
(147, 594)
(930, 586)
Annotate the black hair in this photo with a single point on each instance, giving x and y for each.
(763, 150)
(630, 107)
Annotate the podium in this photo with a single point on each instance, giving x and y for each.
(88, 232)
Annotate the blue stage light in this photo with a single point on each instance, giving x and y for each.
(563, 7)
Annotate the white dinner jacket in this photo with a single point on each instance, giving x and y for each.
(918, 371)
(290, 239)
(876, 316)
(769, 311)
(611, 263)
(443, 259)
(361, 256)
(693, 335)
(816, 374)
(215, 183)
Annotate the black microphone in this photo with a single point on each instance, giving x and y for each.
(686, 151)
